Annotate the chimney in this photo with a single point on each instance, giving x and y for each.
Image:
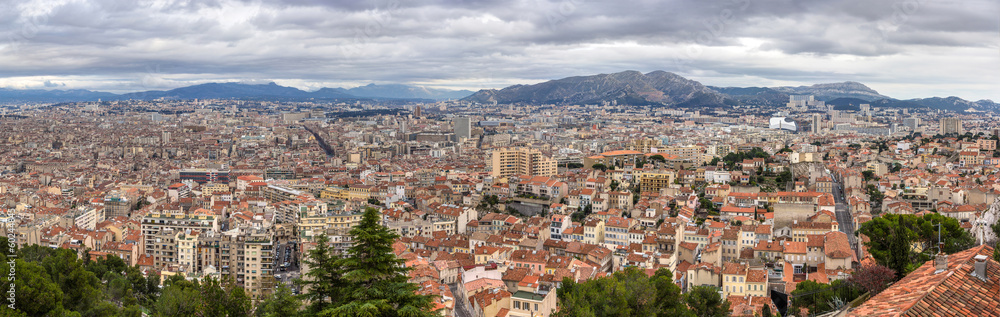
(940, 263)
(980, 267)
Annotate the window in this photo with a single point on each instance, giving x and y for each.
(536, 307)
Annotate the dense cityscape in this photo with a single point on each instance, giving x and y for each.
(499, 210)
(540, 158)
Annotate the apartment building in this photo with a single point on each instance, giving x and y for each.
(162, 229)
(521, 161)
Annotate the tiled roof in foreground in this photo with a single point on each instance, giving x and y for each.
(953, 292)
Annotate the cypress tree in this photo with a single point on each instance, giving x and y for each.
(325, 278)
(378, 283)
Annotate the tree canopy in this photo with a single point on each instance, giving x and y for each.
(625, 293)
(369, 280)
(903, 242)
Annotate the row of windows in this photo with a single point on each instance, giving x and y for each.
(525, 305)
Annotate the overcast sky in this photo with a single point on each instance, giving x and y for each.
(904, 49)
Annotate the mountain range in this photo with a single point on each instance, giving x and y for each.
(234, 91)
(628, 87)
(660, 88)
(657, 89)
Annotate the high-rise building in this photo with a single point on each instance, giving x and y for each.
(463, 128)
(416, 111)
(951, 125)
(161, 229)
(203, 175)
(912, 123)
(521, 161)
(815, 124)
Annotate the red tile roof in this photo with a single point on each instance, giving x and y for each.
(953, 292)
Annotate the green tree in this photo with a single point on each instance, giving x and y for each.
(281, 304)
(783, 178)
(599, 166)
(325, 278)
(223, 299)
(378, 283)
(875, 195)
(614, 185)
(81, 288)
(815, 297)
(892, 237)
(668, 294)
(705, 301)
(181, 298)
(996, 245)
(896, 167)
(37, 294)
(625, 293)
(868, 175)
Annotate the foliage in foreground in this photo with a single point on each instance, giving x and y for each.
(632, 293)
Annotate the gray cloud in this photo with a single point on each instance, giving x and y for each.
(121, 45)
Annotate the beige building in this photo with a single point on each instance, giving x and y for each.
(161, 231)
(734, 279)
(620, 158)
(644, 145)
(521, 161)
(951, 125)
(655, 180)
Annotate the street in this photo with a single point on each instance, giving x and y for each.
(462, 308)
(844, 218)
(286, 263)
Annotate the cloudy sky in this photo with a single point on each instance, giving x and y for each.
(902, 48)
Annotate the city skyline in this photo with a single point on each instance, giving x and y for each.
(904, 49)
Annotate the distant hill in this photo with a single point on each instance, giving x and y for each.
(234, 91)
(755, 96)
(53, 96)
(937, 103)
(956, 104)
(656, 88)
(407, 92)
(847, 89)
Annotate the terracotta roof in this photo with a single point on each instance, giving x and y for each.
(837, 245)
(757, 276)
(734, 268)
(953, 292)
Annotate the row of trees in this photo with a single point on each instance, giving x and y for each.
(56, 282)
(369, 280)
(732, 159)
(632, 293)
(904, 242)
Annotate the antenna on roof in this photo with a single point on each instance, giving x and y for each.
(940, 244)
